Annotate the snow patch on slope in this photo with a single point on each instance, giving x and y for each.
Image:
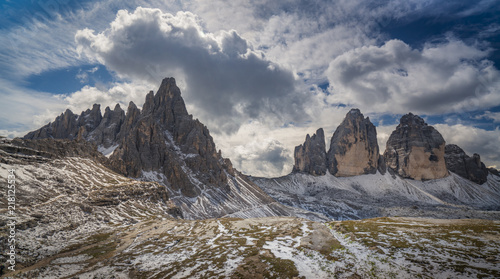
(373, 195)
(107, 151)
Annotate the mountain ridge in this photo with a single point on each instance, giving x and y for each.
(80, 216)
(163, 143)
(415, 150)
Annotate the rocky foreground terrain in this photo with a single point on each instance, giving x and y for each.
(146, 245)
(145, 194)
(78, 219)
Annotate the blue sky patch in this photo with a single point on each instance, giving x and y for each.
(69, 80)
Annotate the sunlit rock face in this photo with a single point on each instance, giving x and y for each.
(353, 148)
(416, 150)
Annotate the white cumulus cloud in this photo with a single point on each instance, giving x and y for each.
(395, 78)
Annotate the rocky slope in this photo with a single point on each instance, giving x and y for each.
(64, 195)
(375, 195)
(164, 144)
(416, 150)
(276, 247)
(75, 218)
(353, 147)
(310, 157)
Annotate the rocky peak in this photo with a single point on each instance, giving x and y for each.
(90, 119)
(106, 134)
(311, 156)
(64, 126)
(69, 125)
(165, 139)
(467, 167)
(412, 120)
(416, 150)
(163, 143)
(167, 105)
(149, 104)
(353, 148)
(130, 120)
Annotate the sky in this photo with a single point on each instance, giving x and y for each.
(260, 74)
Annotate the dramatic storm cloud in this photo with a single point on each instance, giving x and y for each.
(220, 73)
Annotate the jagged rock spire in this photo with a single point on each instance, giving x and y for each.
(311, 156)
(164, 138)
(353, 148)
(106, 134)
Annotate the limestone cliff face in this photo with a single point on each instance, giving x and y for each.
(89, 120)
(416, 150)
(460, 163)
(90, 125)
(353, 148)
(165, 139)
(131, 118)
(310, 157)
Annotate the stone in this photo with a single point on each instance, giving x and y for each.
(382, 167)
(311, 156)
(90, 119)
(353, 148)
(131, 118)
(164, 144)
(50, 148)
(106, 133)
(65, 126)
(494, 171)
(416, 150)
(164, 138)
(467, 167)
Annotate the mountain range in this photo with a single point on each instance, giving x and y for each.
(417, 175)
(92, 183)
(163, 143)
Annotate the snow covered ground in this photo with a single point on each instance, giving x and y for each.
(282, 247)
(77, 219)
(62, 203)
(373, 195)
